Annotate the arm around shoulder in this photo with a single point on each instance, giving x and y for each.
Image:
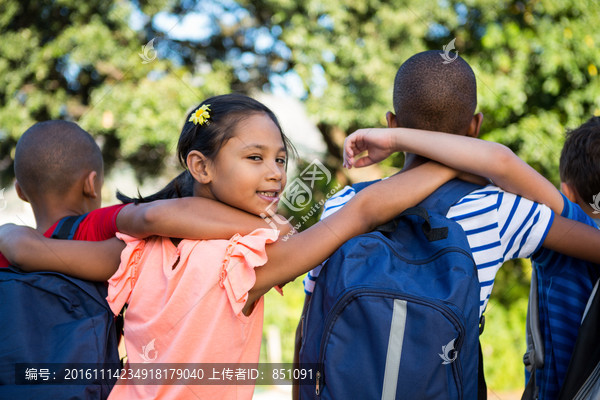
(190, 218)
(371, 207)
(31, 251)
(480, 157)
(574, 239)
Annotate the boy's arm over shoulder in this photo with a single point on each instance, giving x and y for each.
(575, 239)
(528, 225)
(570, 211)
(476, 156)
(31, 251)
(574, 234)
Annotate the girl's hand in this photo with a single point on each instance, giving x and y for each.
(379, 143)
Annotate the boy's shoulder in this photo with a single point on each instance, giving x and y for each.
(99, 224)
(344, 195)
(575, 212)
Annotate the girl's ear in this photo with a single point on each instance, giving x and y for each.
(199, 167)
(89, 185)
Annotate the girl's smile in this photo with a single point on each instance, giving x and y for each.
(269, 196)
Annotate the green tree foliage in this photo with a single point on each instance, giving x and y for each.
(535, 62)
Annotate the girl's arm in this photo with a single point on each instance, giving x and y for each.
(371, 207)
(489, 159)
(97, 261)
(191, 218)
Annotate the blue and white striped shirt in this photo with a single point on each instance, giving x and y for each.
(499, 225)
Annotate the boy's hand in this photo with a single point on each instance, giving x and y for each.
(14, 238)
(379, 143)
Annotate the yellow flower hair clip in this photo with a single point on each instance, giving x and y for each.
(201, 115)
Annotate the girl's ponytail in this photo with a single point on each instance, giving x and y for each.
(181, 186)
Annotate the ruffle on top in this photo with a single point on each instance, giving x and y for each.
(121, 284)
(242, 255)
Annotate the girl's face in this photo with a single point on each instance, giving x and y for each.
(249, 170)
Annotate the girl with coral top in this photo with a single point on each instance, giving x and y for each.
(200, 301)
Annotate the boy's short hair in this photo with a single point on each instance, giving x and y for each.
(433, 95)
(580, 160)
(52, 155)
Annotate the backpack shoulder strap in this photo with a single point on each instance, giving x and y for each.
(447, 195)
(534, 357)
(67, 226)
(65, 229)
(442, 199)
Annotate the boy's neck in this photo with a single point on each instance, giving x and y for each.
(47, 213)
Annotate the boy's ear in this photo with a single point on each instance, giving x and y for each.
(89, 185)
(475, 125)
(569, 192)
(199, 166)
(20, 192)
(390, 117)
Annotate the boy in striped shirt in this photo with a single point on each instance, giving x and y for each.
(430, 95)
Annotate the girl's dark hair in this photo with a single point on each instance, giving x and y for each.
(181, 186)
(226, 111)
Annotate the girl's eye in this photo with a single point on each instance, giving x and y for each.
(281, 160)
(255, 158)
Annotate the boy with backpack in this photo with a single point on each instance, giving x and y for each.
(564, 284)
(561, 284)
(499, 226)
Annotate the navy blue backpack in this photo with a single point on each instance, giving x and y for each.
(58, 322)
(395, 312)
